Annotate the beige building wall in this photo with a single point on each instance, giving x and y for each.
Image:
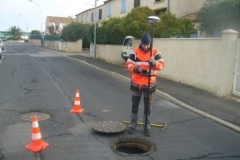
(184, 7)
(34, 41)
(50, 44)
(65, 46)
(108, 53)
(116, 8)
(86, 16)
(156, 5)
(179, 7)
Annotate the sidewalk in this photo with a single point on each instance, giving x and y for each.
(224, 110)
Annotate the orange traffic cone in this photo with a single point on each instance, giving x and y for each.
(37, 143)
(77, 104)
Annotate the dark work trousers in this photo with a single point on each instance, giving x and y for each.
(136, 97)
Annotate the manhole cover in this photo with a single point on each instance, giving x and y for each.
(109, 127)
(133, 146)
(40, 115)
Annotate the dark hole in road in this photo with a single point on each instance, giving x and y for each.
(131, 150)
(133, 146)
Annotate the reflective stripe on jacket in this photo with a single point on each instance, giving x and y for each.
(140, 58)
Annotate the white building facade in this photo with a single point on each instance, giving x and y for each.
(120, 8)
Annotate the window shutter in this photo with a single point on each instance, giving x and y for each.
(136, 3)
(124, 5)
(110, 9)
(100, 14)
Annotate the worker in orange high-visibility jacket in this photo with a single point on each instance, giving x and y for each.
(138, 64)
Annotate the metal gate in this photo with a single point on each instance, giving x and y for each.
(236, 82)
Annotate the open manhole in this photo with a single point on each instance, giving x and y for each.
(134, 146)
(40, 115)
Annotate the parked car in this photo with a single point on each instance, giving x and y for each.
(127, 47)
(2, 46)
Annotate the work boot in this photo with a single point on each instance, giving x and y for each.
(147, 133)
(132, 130)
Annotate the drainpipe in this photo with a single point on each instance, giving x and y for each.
(95, 26)
(168, 7)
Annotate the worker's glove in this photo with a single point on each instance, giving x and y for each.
(152, 62)
(144, 71)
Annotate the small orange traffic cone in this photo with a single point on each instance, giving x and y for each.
(37, 143)
(77, 104)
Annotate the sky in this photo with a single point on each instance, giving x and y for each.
(27, 15)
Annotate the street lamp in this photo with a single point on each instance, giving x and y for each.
(168, 7)
(152, 20)
(41, 12)
(95, 30)
(26, 22)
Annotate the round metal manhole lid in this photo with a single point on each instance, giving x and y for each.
(109, 127)
(40, 115)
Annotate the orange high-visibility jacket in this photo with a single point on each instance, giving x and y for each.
(140, 58)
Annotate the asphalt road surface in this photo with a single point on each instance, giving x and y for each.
(38, 81)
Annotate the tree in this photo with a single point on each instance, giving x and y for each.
(15, 32)
(111, 31)
(186, 27)
(171, 26)
(74, 31)
(167, 27)
(37, 32)
(219, 15)
(51, 30)
(135, 22)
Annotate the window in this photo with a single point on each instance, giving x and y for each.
(82, 18)
(100, 14)
(136, 3)
(86, 17)
(194, 35)
(123, 6)
(92, 17)
(57, 25)
(109, 10)
(158, 0)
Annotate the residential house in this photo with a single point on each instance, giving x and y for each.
(57, 22)
(88, 16)
(120, 8)
(193, 17)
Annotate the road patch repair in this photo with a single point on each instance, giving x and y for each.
(40, 115)
(37, 144)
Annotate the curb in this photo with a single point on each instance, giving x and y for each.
(164, 96)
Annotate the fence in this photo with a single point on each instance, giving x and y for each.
(207, 64)
(65, 46)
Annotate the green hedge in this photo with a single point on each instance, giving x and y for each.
(52, 38)
(34, 36)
